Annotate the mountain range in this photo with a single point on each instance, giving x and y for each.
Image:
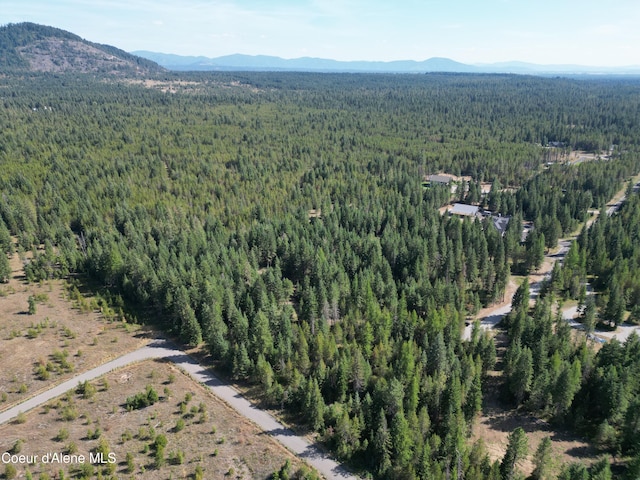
(32, 47)
(436, 64)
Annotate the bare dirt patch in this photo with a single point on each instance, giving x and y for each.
(200, 430)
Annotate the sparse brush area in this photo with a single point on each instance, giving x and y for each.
(212, 440)
(58, 339)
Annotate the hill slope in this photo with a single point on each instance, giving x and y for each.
(38, 48)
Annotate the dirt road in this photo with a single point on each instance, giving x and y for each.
(163, 349)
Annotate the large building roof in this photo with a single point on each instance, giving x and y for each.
(464, 210)
(439, 179)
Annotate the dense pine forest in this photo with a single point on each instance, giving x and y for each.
(282, 220)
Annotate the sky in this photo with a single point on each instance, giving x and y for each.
(583, 32)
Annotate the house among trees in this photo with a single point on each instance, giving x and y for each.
(438, 180)
(501, 223)
(464, 210)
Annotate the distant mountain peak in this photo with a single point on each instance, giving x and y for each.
(39, 48)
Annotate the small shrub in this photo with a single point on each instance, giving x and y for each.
(159, 459)
(42, 373)
(85, 470)
(86, 389)
(32, 305)
(63, 434)
(160, 441)
(71, 448)
(10, 471)
(103, 448)
(42, 298)
(69, 333)
(176, 458)
(23, 388)
(21, 418)
(199, 473)
(126, 436)
(179, 425)
(142, 399)
(69, 413)
(131, 466)
(33, 333)
(17, 447)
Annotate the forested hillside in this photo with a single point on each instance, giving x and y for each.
(29, 47)
(281, 220)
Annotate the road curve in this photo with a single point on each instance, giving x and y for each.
(327, 467)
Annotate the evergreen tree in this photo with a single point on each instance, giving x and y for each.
(614, 311)
(401, 443)
(589, 315)
(314, 405)
(601, 470)
(516, 452)
(382, 445)
(542, 460)
(5, 268)
(190, 331)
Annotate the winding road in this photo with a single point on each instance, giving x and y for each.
(570, 314)
(160, 348)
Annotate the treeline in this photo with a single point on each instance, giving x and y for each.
(280, 219)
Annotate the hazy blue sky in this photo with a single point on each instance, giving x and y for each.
(587, 32)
